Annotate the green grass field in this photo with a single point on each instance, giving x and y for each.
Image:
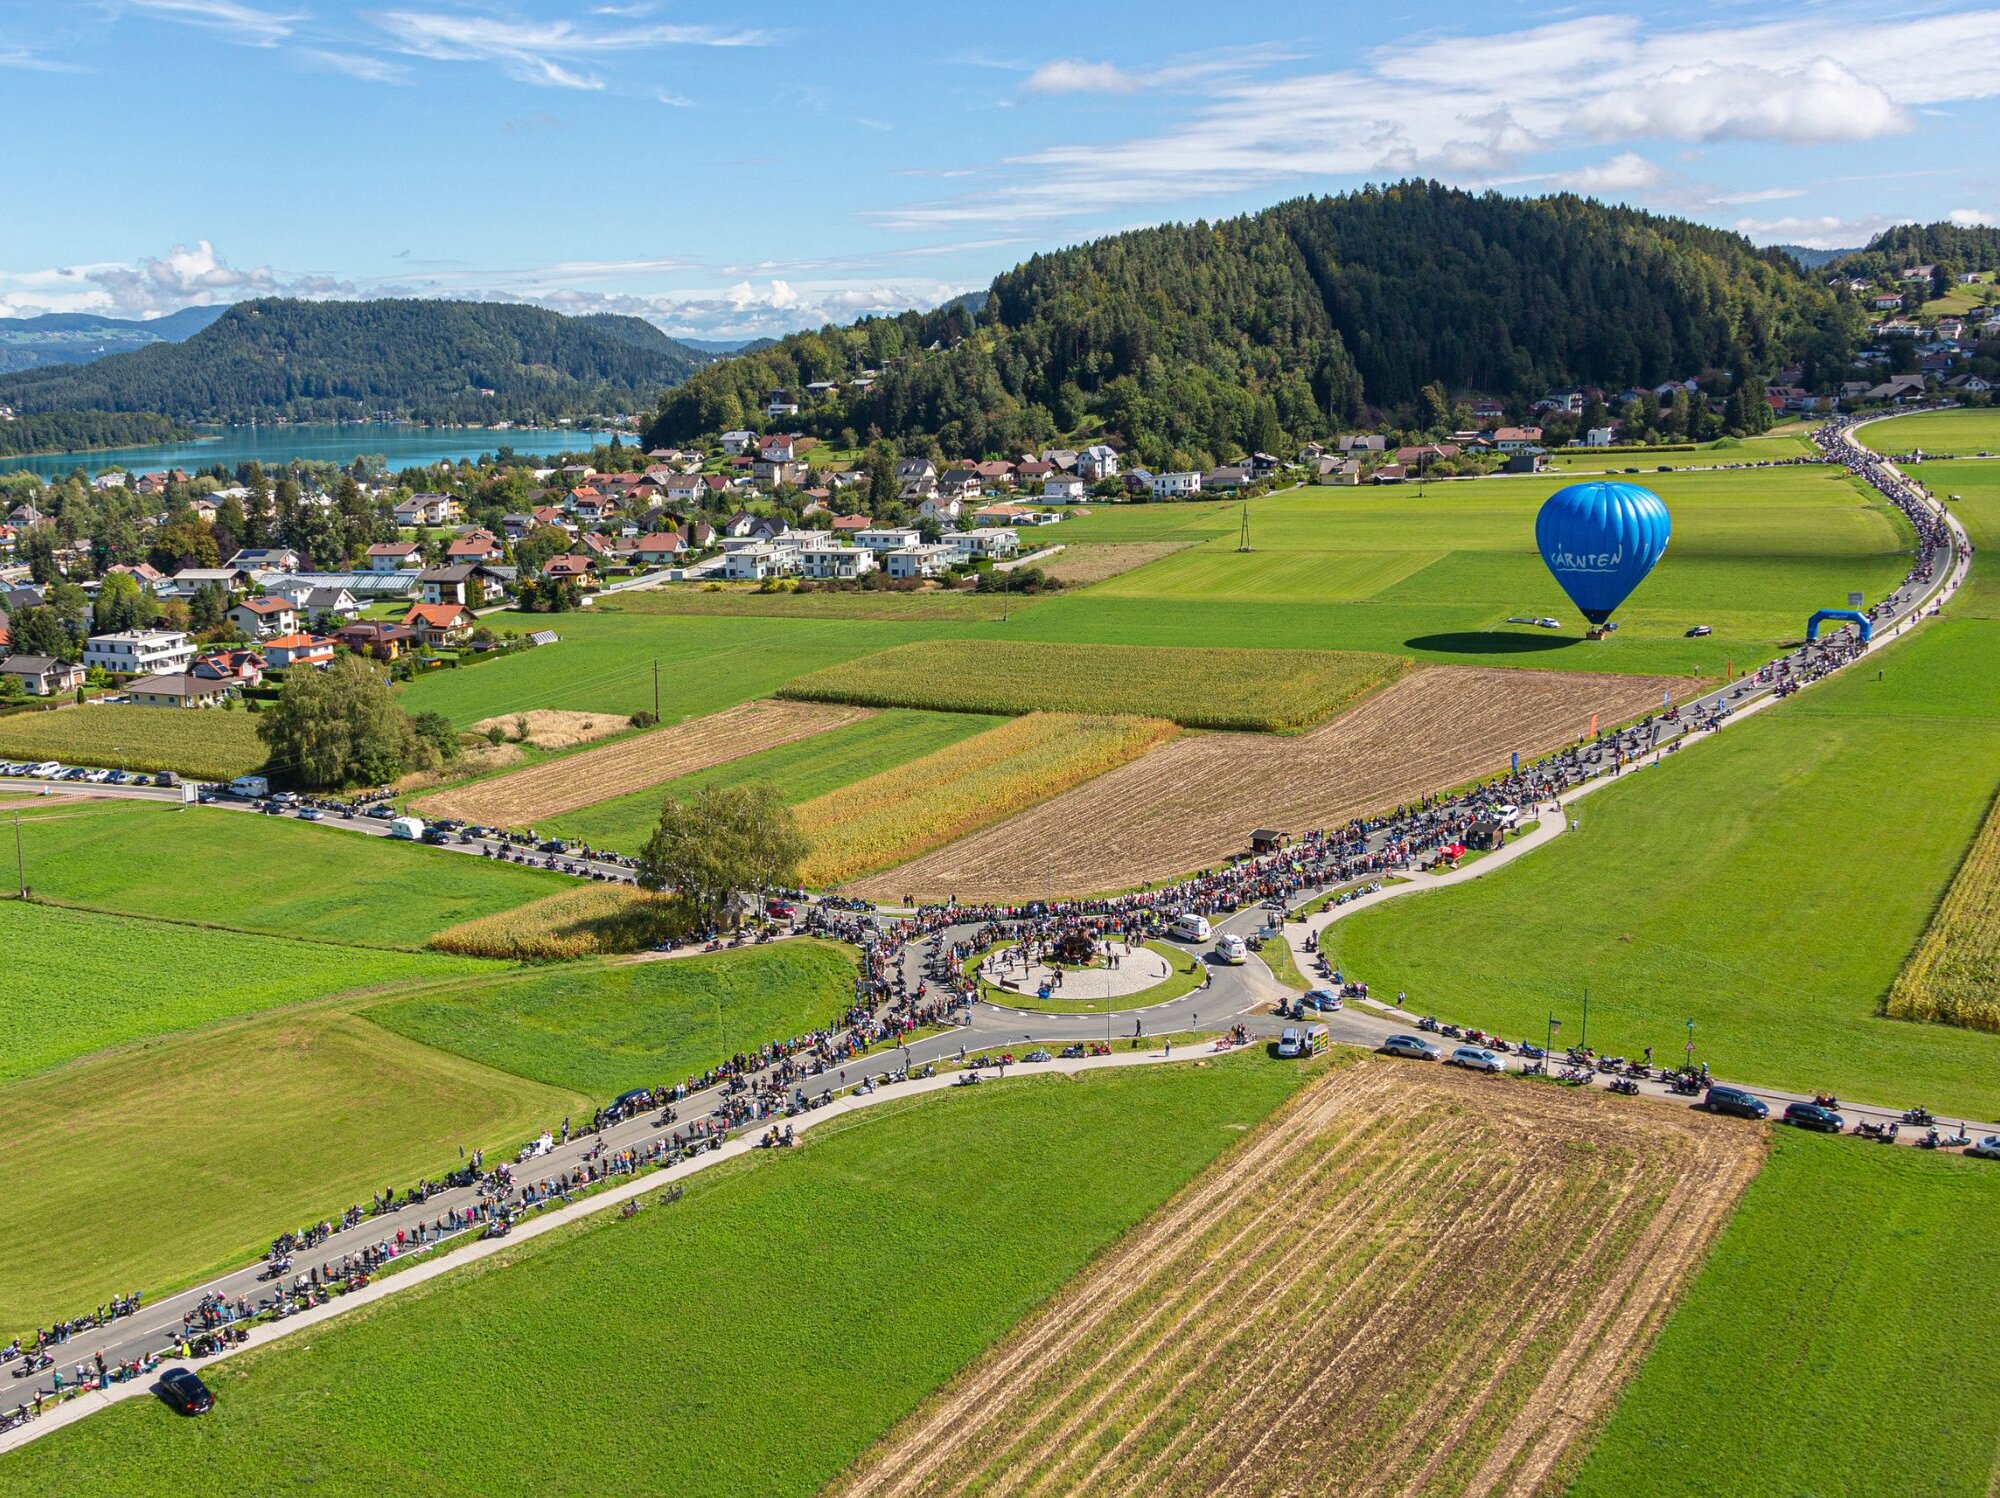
(1840, 1339)
(161, 1164)
(1767, 885)
(1754, 552)
(800, 770)
(210, 744)
(955, 606)
(604, 1030)
(271, 874)
(753, 1338)
(77, 981)
(1764, 449)
(1198, 688)
(1957, 432)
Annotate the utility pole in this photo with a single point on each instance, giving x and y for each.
(20, 859)
(1584, 1039)
(1243, 536)
(656, 688)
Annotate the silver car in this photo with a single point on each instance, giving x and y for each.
(1475, 1058)
(1413, 1046)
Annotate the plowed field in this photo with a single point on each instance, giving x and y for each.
(526, 796)
(1192, 802)
(1406, 1282)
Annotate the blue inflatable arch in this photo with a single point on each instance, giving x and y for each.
(1867, 624)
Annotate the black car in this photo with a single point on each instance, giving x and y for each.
(180, 1388)
(1814, 1116)
(1737, 1101)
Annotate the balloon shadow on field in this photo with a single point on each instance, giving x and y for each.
(1491, 642)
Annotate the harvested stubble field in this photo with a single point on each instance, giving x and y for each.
(1268, 691)
(1953, 977)
(554, 727)
(1192, 803)
(1391, 1287)
(526, 796)
(926, 802)
(1081, 563)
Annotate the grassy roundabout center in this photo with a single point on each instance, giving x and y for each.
(1179, 980)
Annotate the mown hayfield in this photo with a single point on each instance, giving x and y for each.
(522, 798)
(1259, 691)
(1961, 433)
(662, 1355)
(603, 1030)
(1082, 563)
(209, 744)
(162, 1164)
(1387, 1289)
(604, 662)
(1953, 976)
(745, 600)
(258, 873)
(800, 770)
(1769, 885)
(924, 803)
(1437, 576)
(1835, 1343)
(582, 920)
(76, 981)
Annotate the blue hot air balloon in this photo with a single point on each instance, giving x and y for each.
(1600, 540)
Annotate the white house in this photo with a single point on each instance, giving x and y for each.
(823, 561)
(1598, 437)
(1064, 486)
(987, 541)
(1097, 462)
(945, 511)
(273, 614)
(1176, 485)
(394, 556)
(921, 561)
(139, 652)
(754, 563)
(900, 538)
(738, 442)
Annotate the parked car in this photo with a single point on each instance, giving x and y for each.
(1987, 1148)
(1325, 1000)
(1735, 1101)
(436, 836)
(1814, 1116)
(1475, 1058)
(1698, 632)
(166, 777)
(1413, 1046)
(185, 1392)
(311, 814)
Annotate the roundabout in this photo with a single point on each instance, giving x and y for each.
(1111, 976)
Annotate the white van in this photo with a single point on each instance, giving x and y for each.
(45, 769)
(250, 787)
(1190, 928)
(1232, 951)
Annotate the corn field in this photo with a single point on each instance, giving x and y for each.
(1267, 691)
(204, 742)
(926, 802)
(1953, 977)
(587, 921)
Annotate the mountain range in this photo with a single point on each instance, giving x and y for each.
(78, 337)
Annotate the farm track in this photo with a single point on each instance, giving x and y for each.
(1191, 803)
(523, 797)
(1409, 1281)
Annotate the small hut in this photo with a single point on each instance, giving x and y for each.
(1269, 840)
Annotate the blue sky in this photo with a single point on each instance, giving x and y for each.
(745, 170)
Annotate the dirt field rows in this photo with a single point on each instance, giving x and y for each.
(1410, 1281)
(1192, 802)
(526, 796)
(1083, 562)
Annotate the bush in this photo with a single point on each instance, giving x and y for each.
(644, 719)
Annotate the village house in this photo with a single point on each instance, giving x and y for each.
(824, 561)
(1097, 462)
(1227, 478)
(173, 689)
(921, 561)
(273, 614)
(570, 568)
(394, 556)
(463, 583)
(1517, 439)
(1064, 486)
(439, 625)
(895, 538)
(850, 525)
(758, 560)
(771, 473)
(738, 442)
(376, 638)
(991, 542)
(240, 668)
(42, 675)
(945, 511)
(658, 549)
(475, 546)
(1176, 485)
(958, 483)
(266, 559)
(302, 649)
(427, 509)
(139, 652)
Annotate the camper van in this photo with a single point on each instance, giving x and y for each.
(409, 829)
(1232, 951)
(250, 787)
(1190, 928)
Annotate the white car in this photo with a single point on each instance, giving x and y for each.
(1508, 815)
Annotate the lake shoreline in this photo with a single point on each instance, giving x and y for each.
(400, 444)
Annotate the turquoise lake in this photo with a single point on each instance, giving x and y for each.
(275, 446)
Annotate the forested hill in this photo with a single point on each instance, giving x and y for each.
(1955, 246)
(1282, 325)
(431, 361)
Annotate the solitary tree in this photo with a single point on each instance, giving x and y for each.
(727, 838)
(339, 726)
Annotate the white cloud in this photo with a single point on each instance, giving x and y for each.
(1822, 232)
(241, 23)
(356, 65)
(1075, 76)
(155, 284)
(1473, 108)
(540, 52)
(1975, 218)
(1628, 171)
(1820, 102)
